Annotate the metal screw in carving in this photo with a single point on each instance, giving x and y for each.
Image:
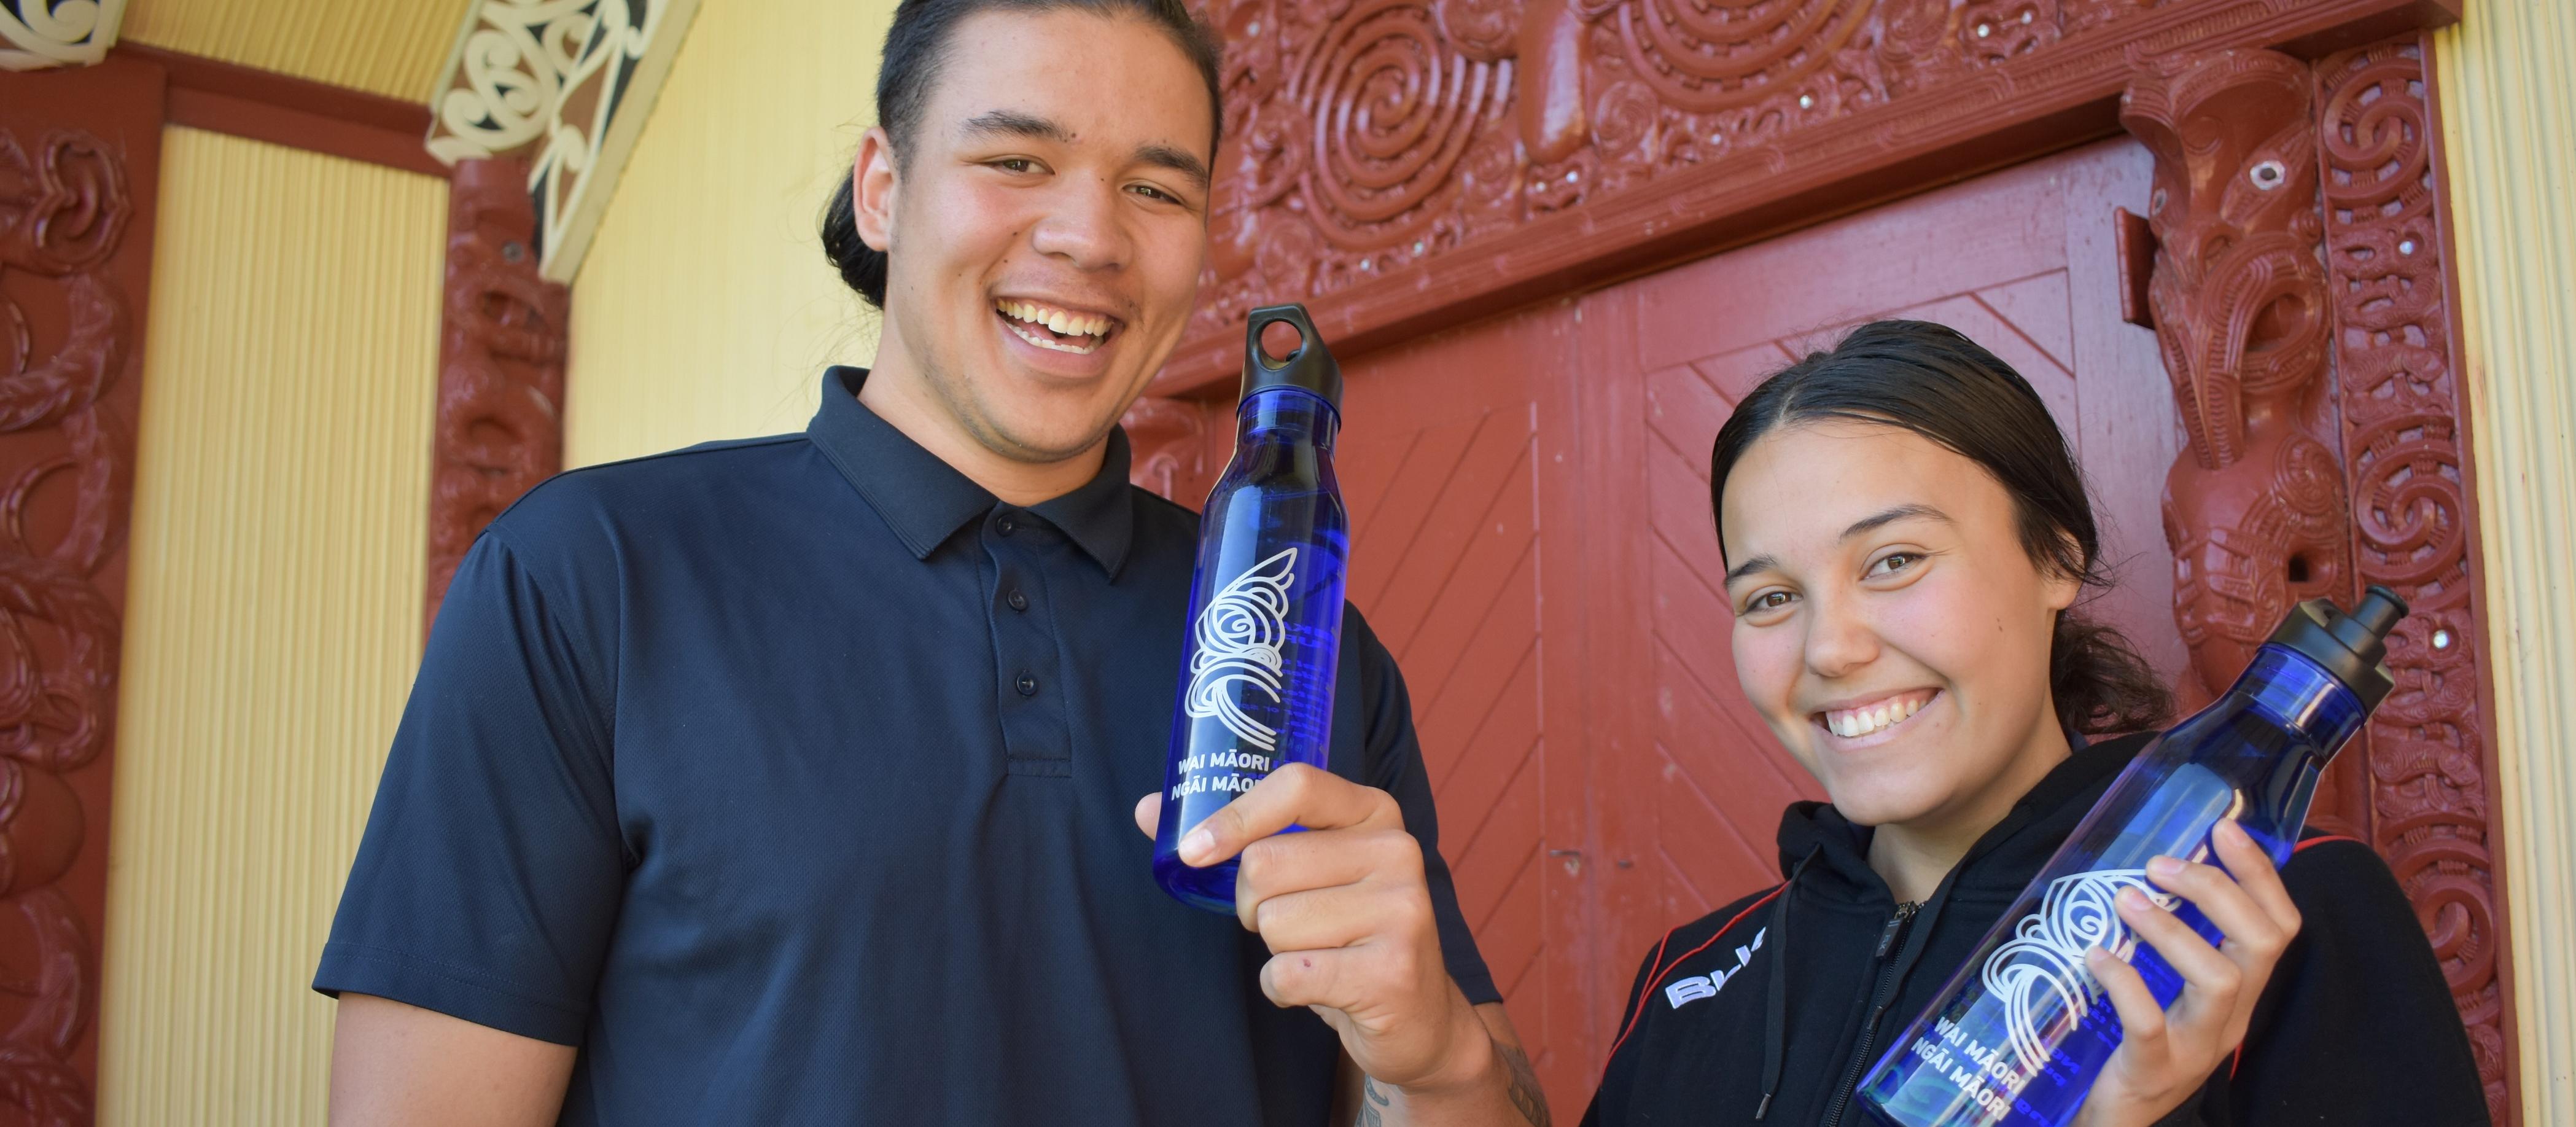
(2268, 175)
(2406, 247)
(512, 252)
(2441, 639)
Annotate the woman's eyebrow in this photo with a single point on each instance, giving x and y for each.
(1891, 516)
(1748, 567)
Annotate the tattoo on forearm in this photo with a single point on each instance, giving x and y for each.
(1370, 1100)
(1524, 1089)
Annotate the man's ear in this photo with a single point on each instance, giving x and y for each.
(872, 189)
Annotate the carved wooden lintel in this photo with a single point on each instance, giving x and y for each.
(36, 34)
(1401, 166)
(502, 344)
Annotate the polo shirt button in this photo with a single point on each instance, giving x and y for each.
(1006, 526)
(1028, 685)
(1018, 601)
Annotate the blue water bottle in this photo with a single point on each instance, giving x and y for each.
(2019, 1033)
(1265, 603)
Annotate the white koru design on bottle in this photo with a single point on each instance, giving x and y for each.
(1240, 635)
(2045, 961)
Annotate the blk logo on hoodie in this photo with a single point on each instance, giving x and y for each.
(1691, 988)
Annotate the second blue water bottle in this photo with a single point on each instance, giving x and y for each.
(1265, 626)
(2019, 1034)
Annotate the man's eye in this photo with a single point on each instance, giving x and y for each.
(1151, 192)
(1016, 164)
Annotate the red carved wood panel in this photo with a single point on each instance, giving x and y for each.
(503, 335)
(1405, 165)
(79, 169)
(2023, 262)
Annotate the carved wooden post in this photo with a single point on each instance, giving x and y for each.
(500, 365)
(79, 157)
(2413, 528)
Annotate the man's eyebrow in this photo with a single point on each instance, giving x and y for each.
(1013, 123)
(1177, 160)
(1891, 516)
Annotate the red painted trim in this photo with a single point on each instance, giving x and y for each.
(1656, 982)
(298, 113)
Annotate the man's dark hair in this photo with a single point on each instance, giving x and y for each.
(1935, 382)
(914, 49)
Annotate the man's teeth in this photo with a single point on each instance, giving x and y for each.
(1862, 721)
(1062, 321)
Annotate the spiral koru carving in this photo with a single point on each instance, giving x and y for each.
(1705, 55)
(2401, 418)
(1392, 106)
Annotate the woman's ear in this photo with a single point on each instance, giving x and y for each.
(873, 181)
(2059, 587)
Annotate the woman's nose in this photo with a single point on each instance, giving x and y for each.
(1839, 640)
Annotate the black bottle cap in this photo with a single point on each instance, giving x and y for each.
(1310, 367)
(2350, 646)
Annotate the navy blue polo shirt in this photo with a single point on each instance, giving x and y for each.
(792, 780)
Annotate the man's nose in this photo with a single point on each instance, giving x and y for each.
(1085, 227)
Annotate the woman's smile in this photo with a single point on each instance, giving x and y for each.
(1871, 721)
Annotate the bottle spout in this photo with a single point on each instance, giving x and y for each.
(2352, 646)
(1309, 367)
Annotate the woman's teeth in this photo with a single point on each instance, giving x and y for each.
(1855, 722)
(1075, 332)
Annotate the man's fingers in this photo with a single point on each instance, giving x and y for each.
(1149, 813)
(1284, 864)
(2210, 980)
(1324, 919)
(1294, 795)
(2142, 1021)
(2255, 874)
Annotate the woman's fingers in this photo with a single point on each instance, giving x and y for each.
(2255, 874)
(2224, 901)
(2142, 1021)
(2211, 981)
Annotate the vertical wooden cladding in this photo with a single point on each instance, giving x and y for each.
(2324, 424)
(503, 335)
(79, 156)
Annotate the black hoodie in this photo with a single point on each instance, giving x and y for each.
(2356, 1027)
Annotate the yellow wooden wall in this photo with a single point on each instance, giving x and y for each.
(2509, 131)
(273, 612)
(704, 309)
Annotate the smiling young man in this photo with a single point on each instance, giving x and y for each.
(794, 780)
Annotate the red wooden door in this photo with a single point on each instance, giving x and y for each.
(1532, 539)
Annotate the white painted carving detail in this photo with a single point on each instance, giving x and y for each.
(56, 33)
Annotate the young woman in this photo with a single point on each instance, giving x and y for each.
(1906, 537)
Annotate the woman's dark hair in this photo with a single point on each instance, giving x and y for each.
(1931, 380)
(914, 49)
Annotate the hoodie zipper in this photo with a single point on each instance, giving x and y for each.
(1879, 1000)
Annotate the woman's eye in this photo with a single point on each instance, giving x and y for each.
(1768, 600)
(1893, 562)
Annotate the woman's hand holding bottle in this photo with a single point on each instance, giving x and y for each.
(2165, 1056)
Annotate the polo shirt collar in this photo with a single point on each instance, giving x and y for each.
(925, 500)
